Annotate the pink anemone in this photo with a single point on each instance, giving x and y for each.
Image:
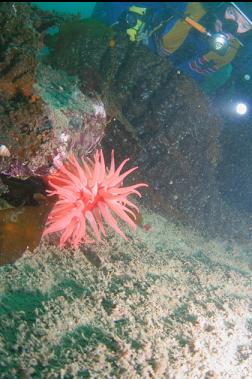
(89, 195)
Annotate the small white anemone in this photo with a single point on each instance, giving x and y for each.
(4, 151)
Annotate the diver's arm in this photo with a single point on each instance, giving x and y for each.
(201, 66)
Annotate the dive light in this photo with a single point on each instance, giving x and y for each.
(219, 43)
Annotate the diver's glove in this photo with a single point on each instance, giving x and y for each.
(204, 65)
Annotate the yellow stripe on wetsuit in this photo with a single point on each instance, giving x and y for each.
(178, 33)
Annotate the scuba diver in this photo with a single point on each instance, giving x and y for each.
(203, 40)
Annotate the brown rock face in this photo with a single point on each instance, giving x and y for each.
(156, 115)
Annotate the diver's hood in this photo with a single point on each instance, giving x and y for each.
(228, 26)
(231, 26)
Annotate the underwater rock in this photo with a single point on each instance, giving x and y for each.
(44, 113)
(63, 119)
(156, 115)
(19, 192)
(79, 49)
(77, 120)
(20, 43)
(22, 33)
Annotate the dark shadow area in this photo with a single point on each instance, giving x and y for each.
(234, 171)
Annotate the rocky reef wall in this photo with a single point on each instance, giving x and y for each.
(157, 116)
(96, 86)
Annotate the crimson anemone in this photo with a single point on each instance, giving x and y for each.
(87, 193)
